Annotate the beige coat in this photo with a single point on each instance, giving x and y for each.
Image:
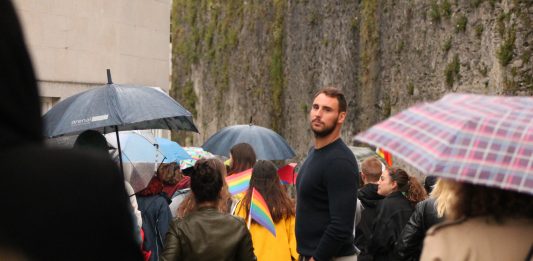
(479, 239)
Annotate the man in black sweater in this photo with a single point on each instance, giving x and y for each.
(368, 195)
(327, 185)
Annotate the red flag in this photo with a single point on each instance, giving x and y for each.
(287, 174)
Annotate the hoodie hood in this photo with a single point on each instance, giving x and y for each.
(368, 195)
(19, 103)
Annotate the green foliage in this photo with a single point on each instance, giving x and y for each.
(314, 18)
(447, 45)
(304, 107)
(452, 70)
(411, 88)
(387, 107)
(500, 23)
(479, 30)
(505, 52)
(276, 66)
(475, 3)
(446, 9)
(526, 55)
(434, 11)
(400, 48)
(460, 25)
(189, 98)
(483, 70)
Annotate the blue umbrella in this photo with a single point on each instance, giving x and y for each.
(267, 144)
(139, 156)
(172, 151)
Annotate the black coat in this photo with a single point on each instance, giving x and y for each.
(412, 238)
(56, 204)
(393, 213)
(370, 199)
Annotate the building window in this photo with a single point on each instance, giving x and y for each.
(47, 103)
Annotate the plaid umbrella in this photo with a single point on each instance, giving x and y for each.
(478, 139)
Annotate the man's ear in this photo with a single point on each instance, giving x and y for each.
(342, 117)
(363, 176)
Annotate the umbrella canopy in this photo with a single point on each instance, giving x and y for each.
(127, 107)
(478, 139)
(267, 144)
(195, 154)
(140, 156)
(172, 151)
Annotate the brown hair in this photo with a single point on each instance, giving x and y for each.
(190, 202)
(169, 173)
(266, 181)
(372, 168)
(414, 192)
(334, 92)
(477, 200)
(242, 158)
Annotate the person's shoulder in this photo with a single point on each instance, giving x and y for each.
(235, 219)
(445, 226)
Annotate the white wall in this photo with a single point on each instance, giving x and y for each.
(73, 42)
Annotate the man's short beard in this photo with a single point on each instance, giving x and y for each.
(325, 132)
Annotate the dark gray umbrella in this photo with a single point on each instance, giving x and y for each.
(116, 107)
(126, 107)
(267, 144)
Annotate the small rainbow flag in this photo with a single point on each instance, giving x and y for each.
(239, 182)
(385, 155)
(260, 213)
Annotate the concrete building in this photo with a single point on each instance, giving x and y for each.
(73, 42)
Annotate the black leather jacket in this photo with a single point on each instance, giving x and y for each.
(410, 243)
(207, 234)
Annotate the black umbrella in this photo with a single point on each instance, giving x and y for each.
(116, 107)
(267, 144)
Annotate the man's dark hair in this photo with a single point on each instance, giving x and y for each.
(334, 92)
(207, 180)
(92, 140)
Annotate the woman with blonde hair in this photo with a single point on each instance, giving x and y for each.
(267, 247)
(402, 192)
(483, 223)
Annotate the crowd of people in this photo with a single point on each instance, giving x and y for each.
(75, 205)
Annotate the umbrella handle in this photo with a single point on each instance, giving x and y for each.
(119, 153)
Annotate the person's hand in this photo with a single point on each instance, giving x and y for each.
(312, 259)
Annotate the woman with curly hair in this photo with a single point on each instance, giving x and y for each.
(267, 247)
(482, 224)
(402, 192)
(205, 233)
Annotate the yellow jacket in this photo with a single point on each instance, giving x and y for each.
(270, 248)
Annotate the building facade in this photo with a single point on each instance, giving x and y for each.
(73, 42)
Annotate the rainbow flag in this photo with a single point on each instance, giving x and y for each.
(239, 182)
(260, 213)
(385, 155)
